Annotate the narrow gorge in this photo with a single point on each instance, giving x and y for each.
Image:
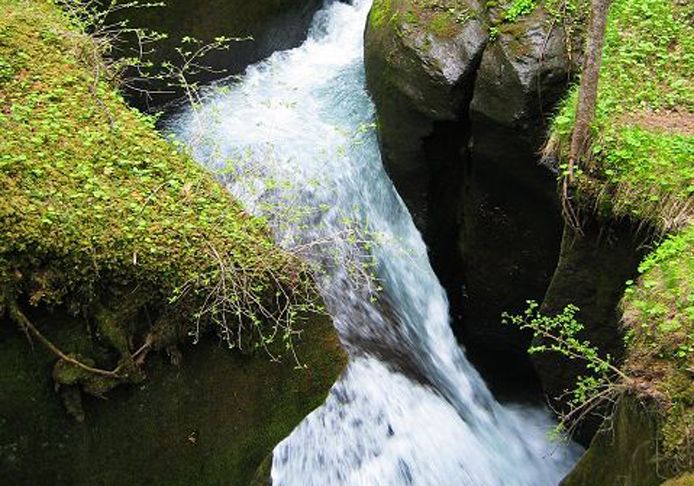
(320, 242)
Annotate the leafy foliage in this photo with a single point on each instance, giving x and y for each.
(639, 165)
(561, 334)
(659, 319)
(518, 9)
(659, 323)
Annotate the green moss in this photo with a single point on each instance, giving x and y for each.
(504, 15)
(442, 24)
(211, 421)
(686, 479)
(622, 455)
(381, 12)
(440, 18)
(97, 209)
(659, 318)
(104, 219)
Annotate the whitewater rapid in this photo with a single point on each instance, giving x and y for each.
(294, 139)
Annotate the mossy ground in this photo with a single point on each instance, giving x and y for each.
(640, 166)
(659, 320)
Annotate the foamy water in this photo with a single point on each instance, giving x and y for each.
(297, 131)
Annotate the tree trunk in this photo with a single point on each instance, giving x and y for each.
(587, 98)
(588, 92)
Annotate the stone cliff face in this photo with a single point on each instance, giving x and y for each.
(591, 274)
(462, 112)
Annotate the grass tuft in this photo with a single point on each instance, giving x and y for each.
(659, 324)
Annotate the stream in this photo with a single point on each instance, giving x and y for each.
(294, 139)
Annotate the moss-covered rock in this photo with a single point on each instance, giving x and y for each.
(210, 420)
(658, 318)
(522, 76)
(624, 454)
(462, 96)
(114, 243)
(101, 215)
(420, 66)
(591, 273)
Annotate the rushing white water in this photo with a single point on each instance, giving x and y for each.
(297, 131)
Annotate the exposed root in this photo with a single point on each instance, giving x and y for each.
(140, 355)
(25, 324)
(567, 209)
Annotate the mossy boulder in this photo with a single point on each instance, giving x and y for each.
(420, 66)
(114, 244)
(429, 62)
(211, 419)
(103, 216)
(522, 76)
(624, 453)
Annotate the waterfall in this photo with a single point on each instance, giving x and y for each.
(296, 134)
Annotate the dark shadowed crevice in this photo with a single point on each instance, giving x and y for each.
(509, 239)
(509, 233)
(493, 228)
(447, 162)
(447, 155)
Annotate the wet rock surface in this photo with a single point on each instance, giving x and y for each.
(462, 116)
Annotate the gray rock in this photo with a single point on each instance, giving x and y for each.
(418, 77)
(523, 74)
(461, 120)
